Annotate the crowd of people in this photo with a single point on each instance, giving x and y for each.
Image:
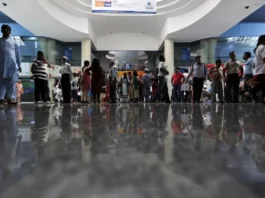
(230, 82)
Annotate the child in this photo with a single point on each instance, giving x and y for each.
(74, 87)
(177, 80)
(40, 75)
(20, 90)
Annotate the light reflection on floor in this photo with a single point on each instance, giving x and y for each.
(132, 150)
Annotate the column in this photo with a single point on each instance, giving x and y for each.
(52, 53)
(204, 51)
(85, 50)
(42, 43)
(212, 42)
(169, 56)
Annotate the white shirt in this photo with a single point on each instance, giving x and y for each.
(161, 65)
(259, 60)
(66, 69)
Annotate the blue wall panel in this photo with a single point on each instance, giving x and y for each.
(18, 30)
(245, 29)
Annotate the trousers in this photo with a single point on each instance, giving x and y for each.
(8, 88)
(146, 94)
(197, 89)
(40, 90)
(217, 88)
(233, 81)
(66, 88)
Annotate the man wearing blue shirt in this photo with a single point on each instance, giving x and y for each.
(10, 64)
(249, 65)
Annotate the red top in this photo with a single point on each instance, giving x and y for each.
(176, 78)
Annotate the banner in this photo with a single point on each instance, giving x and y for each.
(124, 6)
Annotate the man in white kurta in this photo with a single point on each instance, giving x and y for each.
(10, 65)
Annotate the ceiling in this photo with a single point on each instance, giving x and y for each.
(257, 16)
(180, 20)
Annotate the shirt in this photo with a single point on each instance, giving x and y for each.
(216, 74)
(113, 72)
(74, 84)
(39, 70)
(176, 78)
(10, 59)
(259, 61)
(161, 65)
(249, 66)
(66, 69)
(199, 71)
(232, 67)
(147, 80)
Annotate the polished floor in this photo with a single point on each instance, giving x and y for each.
(132, 151)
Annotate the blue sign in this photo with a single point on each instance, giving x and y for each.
(68, 53)
(185, 54)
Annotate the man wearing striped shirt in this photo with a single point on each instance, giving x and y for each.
(40, 75)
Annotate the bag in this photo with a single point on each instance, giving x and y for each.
(164, 71)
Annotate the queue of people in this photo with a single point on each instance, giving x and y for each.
(230, 82)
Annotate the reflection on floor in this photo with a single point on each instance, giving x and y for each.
(132, 150)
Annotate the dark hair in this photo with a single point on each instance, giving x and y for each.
(5, 26)
(197, 57)
(135, 73)
(260, 41)
(40, 53)
(162, 58)
(75, 74)
(218, 61)
(248, 54)
(95, 63)
(231, 53)
(86, 63)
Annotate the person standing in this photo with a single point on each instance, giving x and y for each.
(232, 68)
(97, 79)
(177, 80)
(259, 70)
(217, 84)
(113, 75)
(199, 73)
(85, 83)
(162, 84)
(40, 75)
(66, 78)
(20, 90)
(248, 73)
(146, 85)
(135, 87)
(74, 87)
(10, 65)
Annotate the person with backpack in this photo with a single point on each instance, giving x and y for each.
(199, 73)
(146, 85)
(177, 80)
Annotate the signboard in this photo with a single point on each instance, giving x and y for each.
(185, 54)
(68, 53)
(124, 6)
(120, 73)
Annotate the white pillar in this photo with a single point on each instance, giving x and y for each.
(211, 50)
(204, 51)
(169, 56)
(52, 53)
(86, 50)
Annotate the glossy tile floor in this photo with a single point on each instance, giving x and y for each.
(132, 151)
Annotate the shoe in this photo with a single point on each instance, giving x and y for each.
(38, 102)
(47, 102)
(2, 102)
(12, 102)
